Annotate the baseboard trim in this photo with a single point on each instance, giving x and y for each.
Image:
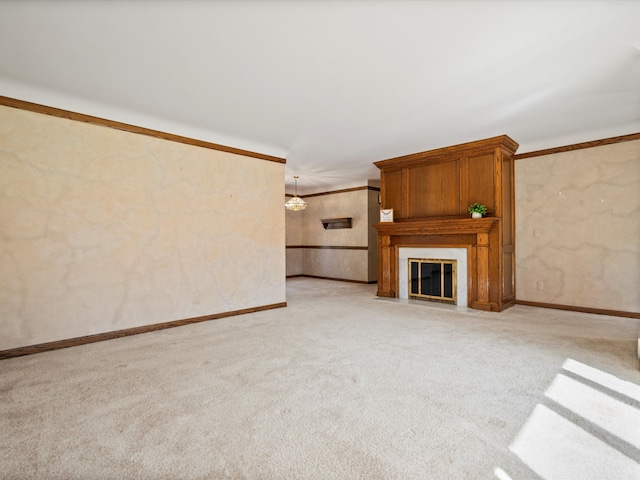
(100, 337)
(328, 247)
(333, 278)
(573, 308)
(344, 190)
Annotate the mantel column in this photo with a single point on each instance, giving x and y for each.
(482, 272)
(385, 268)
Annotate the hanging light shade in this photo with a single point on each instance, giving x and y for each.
(295, 203)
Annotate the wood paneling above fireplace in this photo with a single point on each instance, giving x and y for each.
(430, 193)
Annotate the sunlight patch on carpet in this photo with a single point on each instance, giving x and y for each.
(555, 447)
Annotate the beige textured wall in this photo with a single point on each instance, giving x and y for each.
(294, 261)
(374, 217)
(343, 264)
(345, 204)
(293, 222)
(102, 230)
(578, 227)
(305, 228)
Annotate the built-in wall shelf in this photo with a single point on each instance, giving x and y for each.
(333, 223)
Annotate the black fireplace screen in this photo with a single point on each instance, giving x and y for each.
(432, 279)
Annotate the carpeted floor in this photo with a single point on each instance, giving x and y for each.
(338, 385)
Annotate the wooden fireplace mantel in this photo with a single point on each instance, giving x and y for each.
(437, 226)
(430, 192)
(472, 234)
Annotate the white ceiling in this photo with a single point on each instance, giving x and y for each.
(334, 85)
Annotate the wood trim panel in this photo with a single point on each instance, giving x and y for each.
(329, 247)
(99, 337)
(470, 147)
(80, 117)
(436, 226)
(404, 194)
(579, 146)
(385, 267)
(333, 278)
(573, 308)
(463, 187)
(344, 190)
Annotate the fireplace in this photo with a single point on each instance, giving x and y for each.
(457, 256)
(432, 279)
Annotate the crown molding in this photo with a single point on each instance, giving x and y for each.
(579, 146)
(81, 117)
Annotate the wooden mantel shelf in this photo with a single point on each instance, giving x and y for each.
(437, 226)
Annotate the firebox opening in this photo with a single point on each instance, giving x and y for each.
(432, 279)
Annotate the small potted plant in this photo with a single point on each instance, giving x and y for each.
(477, 210)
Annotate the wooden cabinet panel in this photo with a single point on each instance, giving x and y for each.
(508, 277)
(480, 181)
(508, 209)
(391, 191)
(434, 190)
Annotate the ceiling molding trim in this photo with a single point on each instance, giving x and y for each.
(80, 117)
(579, 146)
(344, 190)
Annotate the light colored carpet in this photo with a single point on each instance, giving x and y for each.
(341, 385)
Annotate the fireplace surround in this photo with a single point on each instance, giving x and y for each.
(459, 255)
(473, 235)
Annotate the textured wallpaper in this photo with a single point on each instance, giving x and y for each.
(305, 228)
(103, 230)
(578, 228)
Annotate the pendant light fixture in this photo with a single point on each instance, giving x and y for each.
(295, 203)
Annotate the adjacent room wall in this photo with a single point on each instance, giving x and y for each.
(578, 228)
(345, 254)
(102, 230)
(374, 217)
(293, 222)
